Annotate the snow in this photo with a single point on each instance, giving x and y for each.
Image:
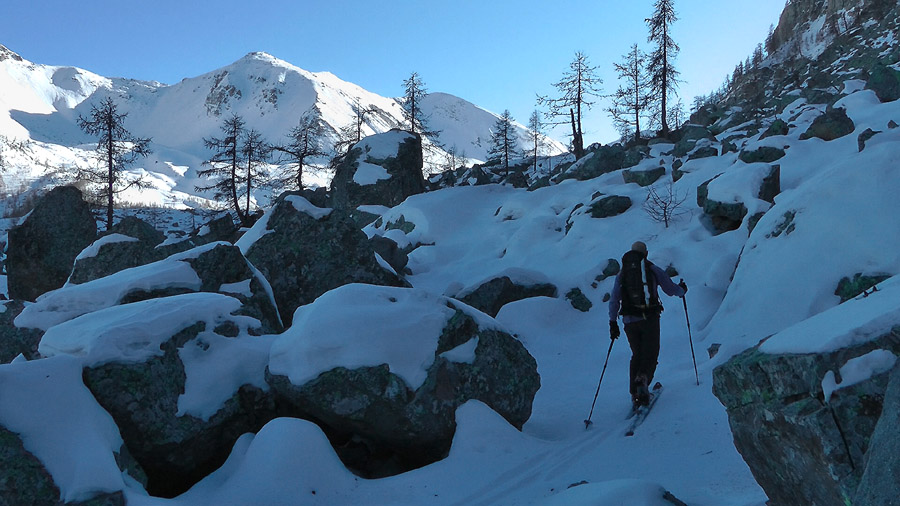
(379, 330)
(259, 229)
(464, 353)
(94, 248)
(304, 206)
(133, 333)
(369, 173)
(71, 301)
(857, 370)
(240, 288)
(60, 423)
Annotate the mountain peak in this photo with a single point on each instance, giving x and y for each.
(6, 53)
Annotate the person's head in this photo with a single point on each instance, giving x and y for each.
(639, 247)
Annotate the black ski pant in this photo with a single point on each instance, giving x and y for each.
(643, 337)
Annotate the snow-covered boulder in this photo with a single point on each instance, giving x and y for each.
(130, 242)
(304, 251)
(832, 125)
(215, 267)
(43, 248)
(495, 293)
(181, 376)
(389, 366)
(382, 169)
(804, 404)
(879, 484)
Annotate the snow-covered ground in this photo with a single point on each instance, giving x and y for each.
(845, 217)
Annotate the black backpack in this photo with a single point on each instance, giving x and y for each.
(638, 287)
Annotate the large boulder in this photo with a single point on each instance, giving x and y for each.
(23, 479)
(832, 125)
(215, 267)
(880, 483)
(805, 439)
(764, 154)
(400, 361)
(305, 251)
(603, 160)
(885, 82)
(492, 295)
(643, 177)
(180, 385)
(724, 216)
(129, 243)
(43, 248)
(382, 169)
(609, 206)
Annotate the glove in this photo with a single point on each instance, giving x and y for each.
(613, 330)
(683, 285)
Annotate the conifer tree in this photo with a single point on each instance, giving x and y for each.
(632, 99)
(225, 164)
(536, 136)
(504, 143)
(663, 75)
(305, 142)
(577, 86)
(255, 153)
(116, 149)
(414, 92)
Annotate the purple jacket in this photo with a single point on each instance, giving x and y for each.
(660, 280)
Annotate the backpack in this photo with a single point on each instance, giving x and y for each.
(638, 287)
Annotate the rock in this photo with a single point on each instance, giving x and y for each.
(707, 115)
(610, 206)
(885, 82)
(690, 134)
(713, 349)
(753, 221)
(541, 182)
(729, 147)
(496, 293)
(13, 340)
(778, 127)
(391, 253)
(24, 481)
(143, 391)
(129, 243)
(578, 300)
(879, 485)
(612, 268)
(851, 288)
(725, 216)
(411, 424)
(764, 154)
(771, 185)
(383, 169)
(704, 152)
(517, 178)
(43, 248)
(832, 125)
(643, 177)
(303, 256)
(892, 124)
(864, 137)
(800, 449)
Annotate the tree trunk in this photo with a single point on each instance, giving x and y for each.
(109, 179)
(577, 142)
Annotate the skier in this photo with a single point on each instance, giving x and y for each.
(635, 297)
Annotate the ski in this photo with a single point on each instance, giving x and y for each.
(641, 413)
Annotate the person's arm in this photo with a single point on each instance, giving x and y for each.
(666, 283)
(615, 300)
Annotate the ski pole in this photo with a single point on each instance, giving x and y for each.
(588, 422)
(690, 338)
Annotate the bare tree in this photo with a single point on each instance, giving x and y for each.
(577, 86)
(305, 142)
(117, 148)
(663, 75)
(256, 152)
(632, 99)
(536, 136)
(224, 164)
(664, 205)
(504, 143)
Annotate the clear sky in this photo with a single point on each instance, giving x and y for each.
(498, 54)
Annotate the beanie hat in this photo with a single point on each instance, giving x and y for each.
(639, 246)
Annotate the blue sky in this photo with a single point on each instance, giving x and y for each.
(497, 54)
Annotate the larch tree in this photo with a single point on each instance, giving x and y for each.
(255, 152)
(305, 141)
(414, 92)
(504, 143)
(225, 165)
(576, 88)
(632, 99)
(535, 137)
(663, 75)
(117, 148)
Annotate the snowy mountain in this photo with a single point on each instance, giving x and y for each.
(39, 105)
